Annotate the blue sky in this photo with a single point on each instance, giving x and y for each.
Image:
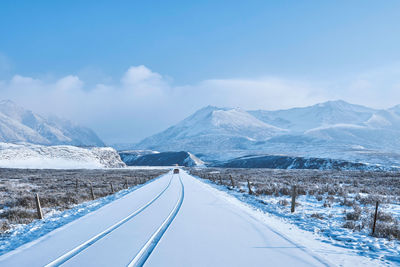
(320, 49)
(191, 41)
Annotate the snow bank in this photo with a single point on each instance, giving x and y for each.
(326, 237)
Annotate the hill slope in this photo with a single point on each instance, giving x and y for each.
(212, 128)
(57, 157)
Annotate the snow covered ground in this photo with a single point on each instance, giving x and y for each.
(211, 228)
(320, 232)
(336, 206)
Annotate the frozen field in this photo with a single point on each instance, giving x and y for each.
(59, 190)
(337, 207)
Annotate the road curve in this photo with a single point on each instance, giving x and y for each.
(75, 251)
(100, 223)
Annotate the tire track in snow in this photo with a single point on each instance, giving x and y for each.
(60, 260)
(148, 248)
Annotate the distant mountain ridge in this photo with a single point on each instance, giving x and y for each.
(286, 162)
(334, 129)
(154, 158)
(20, 125)
(212, 124)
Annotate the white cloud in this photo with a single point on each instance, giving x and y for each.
(69, 83)
(19, 80)
(144, 102)
(139, 75)
(264, 93)
(378, 88)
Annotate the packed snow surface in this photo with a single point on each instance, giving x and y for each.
(57, 157)
(211, 228)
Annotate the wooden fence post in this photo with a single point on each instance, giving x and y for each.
(126, 184)
(232, 182)
(38, 207)
(112, 188)
(91, 191)
(293, 198)
(375, 218)
(249, 186)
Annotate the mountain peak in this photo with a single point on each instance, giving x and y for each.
(210, 108)
(334, 103)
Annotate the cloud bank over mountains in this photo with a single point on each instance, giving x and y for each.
(142, 102)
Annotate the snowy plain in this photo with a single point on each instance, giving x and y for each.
(328, 230)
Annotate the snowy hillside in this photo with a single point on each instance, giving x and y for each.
(334, 129)
(212, 128)
(299, 120)
(57, 157)
(20, 125)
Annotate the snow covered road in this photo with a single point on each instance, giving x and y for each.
(206, 231)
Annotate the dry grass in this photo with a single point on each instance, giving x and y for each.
(358, 190)
(59, 189)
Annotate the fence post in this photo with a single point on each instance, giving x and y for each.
(249, 186)
(38, 207)
(220, 180)
(91, 191)
(375, 218)
(112, 188)
(232, 182)
(293, 198)
(126, 184)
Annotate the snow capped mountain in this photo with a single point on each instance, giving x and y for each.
(212, 128)
(334, 129)
(319, 115)
(20, 125)
(57, 157)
